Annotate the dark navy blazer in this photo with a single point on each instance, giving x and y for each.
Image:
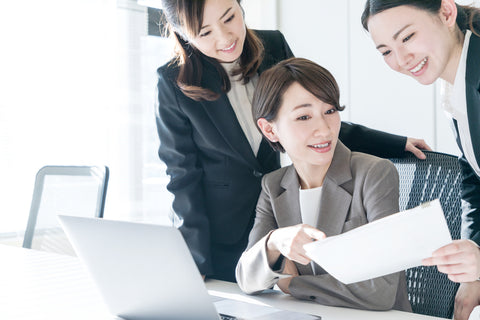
(214, 175)
(471, 181)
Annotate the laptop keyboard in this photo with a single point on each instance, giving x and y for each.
(227, 317)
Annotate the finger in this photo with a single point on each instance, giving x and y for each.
(426, 147)
(300, 258)
(315, 233)
(417, 153)
(458, 311)
(461, 278)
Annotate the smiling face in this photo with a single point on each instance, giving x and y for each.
(223, 31)
(417, 43)
(306, 127)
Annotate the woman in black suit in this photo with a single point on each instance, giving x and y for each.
(439, 39)
(214, 154)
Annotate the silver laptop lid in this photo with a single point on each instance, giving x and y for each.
(143, 271)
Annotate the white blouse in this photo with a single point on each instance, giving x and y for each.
(309, 209)
(240, 97)
(454, 103)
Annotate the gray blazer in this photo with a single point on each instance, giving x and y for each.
(357, 189)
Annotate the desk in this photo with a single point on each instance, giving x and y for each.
(37, 285)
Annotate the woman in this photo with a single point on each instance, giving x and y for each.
(214, 154)
(328, 187)
(438, 39)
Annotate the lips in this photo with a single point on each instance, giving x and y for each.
(419, 66)
(230, 48)
(321, 147)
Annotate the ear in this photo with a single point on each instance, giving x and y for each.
(448, 12)
(267, 129)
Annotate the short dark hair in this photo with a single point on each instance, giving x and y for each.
(273, 83)
(468, 17)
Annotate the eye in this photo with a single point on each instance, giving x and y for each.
(230, 18)
(331, 111)
(386, 53)
(204, 34)
(408, 37)
(303, 118)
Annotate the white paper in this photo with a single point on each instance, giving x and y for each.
(385, 246)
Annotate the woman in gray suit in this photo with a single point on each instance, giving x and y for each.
(327, 190)
(214, 154)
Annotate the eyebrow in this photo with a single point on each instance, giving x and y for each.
(221, 17)
(304, 105)
(395, 36)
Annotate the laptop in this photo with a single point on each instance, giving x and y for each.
(146, 272)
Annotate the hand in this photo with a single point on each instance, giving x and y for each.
(415, 146)
(291, 269)
(459, 259)
(467, 298)
(289, 242)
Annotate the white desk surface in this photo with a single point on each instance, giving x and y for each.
(36, 285)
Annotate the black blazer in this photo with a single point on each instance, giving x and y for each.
(214, 175)
(471, 181)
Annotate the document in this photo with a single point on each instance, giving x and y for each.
(384, 246)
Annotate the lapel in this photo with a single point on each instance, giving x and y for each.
(287, 205)
(472, 85)
(223, 117)
(335, 201)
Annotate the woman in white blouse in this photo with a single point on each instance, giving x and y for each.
(326, 191)
(439, 39)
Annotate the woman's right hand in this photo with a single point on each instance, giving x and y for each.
(289, 242)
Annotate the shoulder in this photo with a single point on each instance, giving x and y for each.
(371, 166)
(272, 182)
(168, 72)
(275, 46)
(472, 74)
(271, 39)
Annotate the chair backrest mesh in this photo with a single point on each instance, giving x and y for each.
(438, 177)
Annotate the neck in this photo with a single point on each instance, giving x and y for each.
(311, 176)
(450, 71)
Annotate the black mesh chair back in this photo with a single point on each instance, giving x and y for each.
(67, 190)
(438, 177)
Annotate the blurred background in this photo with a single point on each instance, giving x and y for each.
(77, 87)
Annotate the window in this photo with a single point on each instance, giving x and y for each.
(78, 82)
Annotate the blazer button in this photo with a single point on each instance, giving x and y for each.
(257, 174)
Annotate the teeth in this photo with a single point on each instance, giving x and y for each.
(324, 145)
(419, 66)
(229, 48)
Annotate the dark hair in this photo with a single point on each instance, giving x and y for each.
(184, 19)
(273, 83)
(468, 17)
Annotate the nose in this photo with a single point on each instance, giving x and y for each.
(225, 35)
(322, 128)
(404, 57)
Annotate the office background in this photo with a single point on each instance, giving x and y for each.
(77, 81)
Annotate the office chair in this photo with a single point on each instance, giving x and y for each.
(438, 177)
(69, 190)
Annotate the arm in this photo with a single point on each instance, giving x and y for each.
(381, 144)
(179, 153)
(380, 190)
(253, 272)
(461, 258)
(470, 202)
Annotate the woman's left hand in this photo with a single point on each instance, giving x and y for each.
(416, 146)
(459, 259)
